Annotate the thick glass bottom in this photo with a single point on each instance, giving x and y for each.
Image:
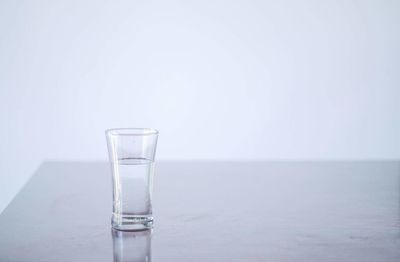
(131, 222)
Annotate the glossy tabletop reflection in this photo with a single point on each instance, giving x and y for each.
(212, 211)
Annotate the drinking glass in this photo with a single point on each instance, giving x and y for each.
(131, 154)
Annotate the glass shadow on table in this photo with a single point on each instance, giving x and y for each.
(134, 246)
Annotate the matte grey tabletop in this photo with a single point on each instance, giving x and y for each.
(212, 211)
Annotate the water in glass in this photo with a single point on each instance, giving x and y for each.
(133, 182)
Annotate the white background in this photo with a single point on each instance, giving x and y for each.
(221, 80)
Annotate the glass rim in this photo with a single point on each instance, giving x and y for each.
(131, 131)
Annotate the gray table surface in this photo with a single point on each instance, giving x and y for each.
(212, 211)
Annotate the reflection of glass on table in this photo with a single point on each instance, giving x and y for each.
(132, 246)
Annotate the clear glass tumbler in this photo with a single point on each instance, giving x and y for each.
(131, 153)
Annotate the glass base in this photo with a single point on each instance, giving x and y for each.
(131, 223)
